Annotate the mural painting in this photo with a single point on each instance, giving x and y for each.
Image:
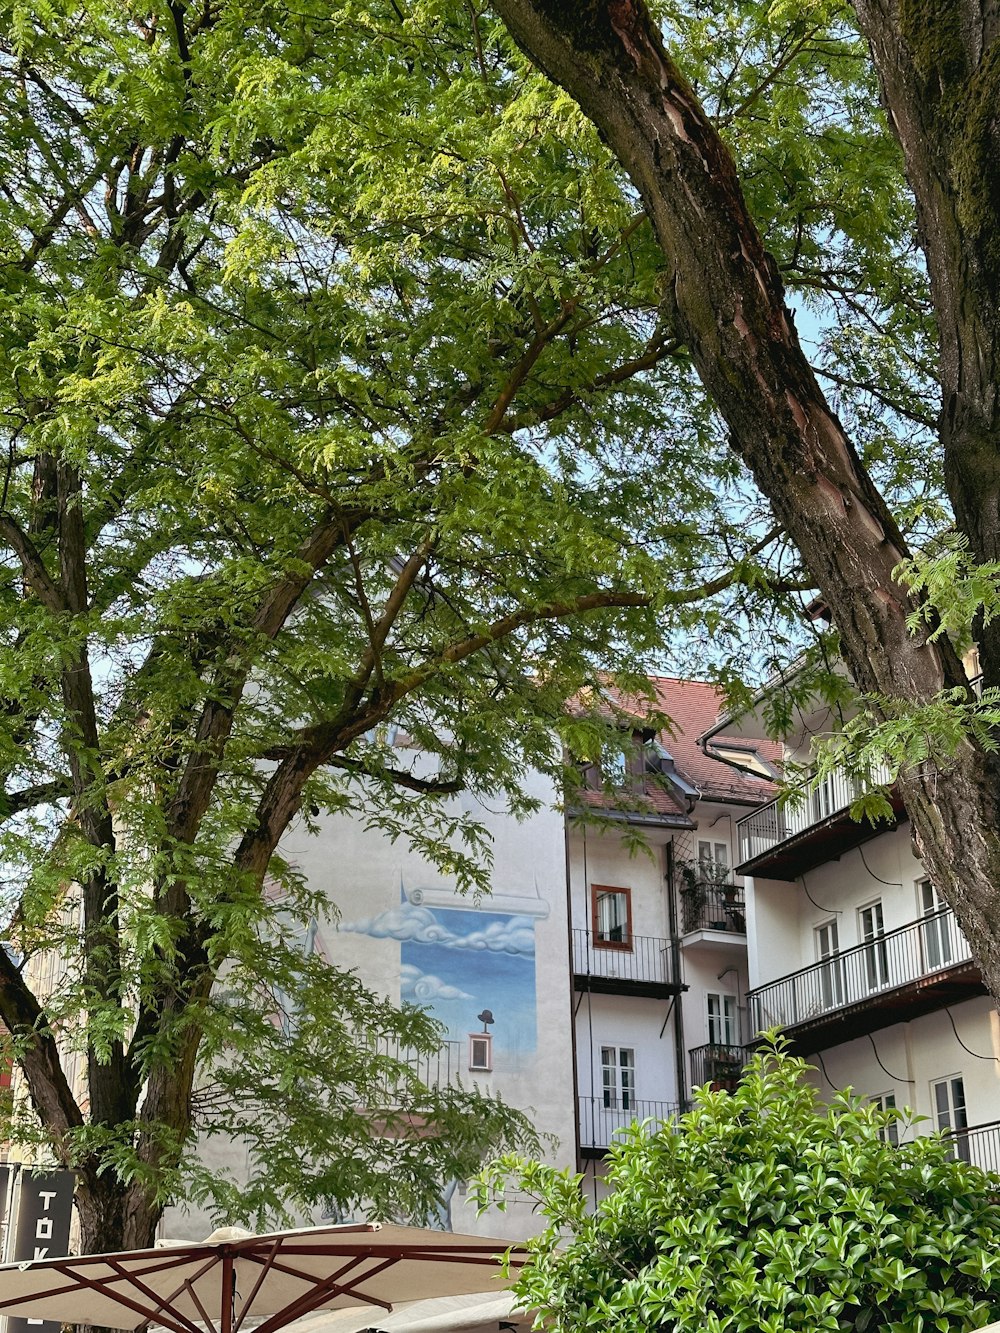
(462, 962)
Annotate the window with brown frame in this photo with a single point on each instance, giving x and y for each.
(611, 914)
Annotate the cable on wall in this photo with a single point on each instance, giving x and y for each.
(831, 911)
(889, 883)
(822, 1066)
(961, 1043)
(897, 1078)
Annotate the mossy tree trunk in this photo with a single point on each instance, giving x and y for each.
(939, 64)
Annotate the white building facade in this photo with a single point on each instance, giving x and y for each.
(855, 956)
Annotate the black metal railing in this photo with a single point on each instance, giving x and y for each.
(435, 1069)
(708, 905)
(637, 958)
(810, 803)
(916, 950)
(602, 1117)
(718, 1065)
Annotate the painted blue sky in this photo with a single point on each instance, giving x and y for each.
(457, 962)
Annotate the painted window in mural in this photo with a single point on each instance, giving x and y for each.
(612, 916)
(469, 966)
(618, 1077)
(480, 1051)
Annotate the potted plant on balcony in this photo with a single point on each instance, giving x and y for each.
(693, 896)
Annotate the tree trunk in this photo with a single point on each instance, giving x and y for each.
(729, 307)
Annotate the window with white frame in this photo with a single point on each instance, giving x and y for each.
(937, 928)
(948, 1096)
(723, 1020)
(871, 931)
(481, 1051)
(831, 975)
(886, 1101)
(713, 861)
(618, 1077)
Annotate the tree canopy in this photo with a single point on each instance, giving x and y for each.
(338, 406)
(354, 391)
(762, 1209)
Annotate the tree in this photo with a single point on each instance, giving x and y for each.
(761, 1210)
(314, 352)
(937, 67)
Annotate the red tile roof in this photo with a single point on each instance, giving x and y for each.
(693, 706)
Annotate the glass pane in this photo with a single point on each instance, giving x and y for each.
(941, 1106)
(958, 1103)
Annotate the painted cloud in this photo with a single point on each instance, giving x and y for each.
(510, 934)
(421, 987)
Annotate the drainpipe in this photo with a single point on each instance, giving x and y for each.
(675, 962)
(572, 993)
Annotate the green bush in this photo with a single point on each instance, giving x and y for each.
(766, 1210)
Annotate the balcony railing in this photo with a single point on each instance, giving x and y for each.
(599, 1121)
(980, 1145)
(709, 905)
(435, 1069)
(776, 822)
(718, 1065)
(641, 959)
(932, 944)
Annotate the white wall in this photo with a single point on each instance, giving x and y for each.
(782, 917)
(914, 1055)
(597, 856)
(411, 938)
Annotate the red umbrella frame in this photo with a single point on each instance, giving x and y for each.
(285, 1275)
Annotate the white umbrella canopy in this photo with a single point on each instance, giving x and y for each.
(222, 1283)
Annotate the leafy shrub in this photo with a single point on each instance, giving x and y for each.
(766, 1210)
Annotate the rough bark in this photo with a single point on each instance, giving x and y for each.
(729, 307)
(938, 63)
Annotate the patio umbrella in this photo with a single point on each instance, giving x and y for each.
(234, 1277)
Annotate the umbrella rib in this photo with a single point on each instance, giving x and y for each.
(98, 1285)
(152, 1295)
(201, 1309)
(330, 1286)
(272, 1255)
(77, 1278)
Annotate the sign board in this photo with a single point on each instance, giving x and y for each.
(41, 1230)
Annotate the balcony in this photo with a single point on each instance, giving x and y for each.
(718, 1065)
(713, 912)
(640, 965)
(782, 841)
(980, 1145)
(600, 1122)
(898, 976)
(435, 1069)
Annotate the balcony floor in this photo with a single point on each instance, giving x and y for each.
(650, 990)
(882, 1009)
(826, 840)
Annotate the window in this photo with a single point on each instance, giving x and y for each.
(831, 977)
(886, 1101)
(614, 766)
(723, 1020)
(481, 1051)
(713, 861)
(871, 928)
(950, 1115)
(611, 912)
(618, 1077)
(937, 929)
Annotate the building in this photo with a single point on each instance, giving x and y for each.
(855, 956)
(659, 932)
(606, 972)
